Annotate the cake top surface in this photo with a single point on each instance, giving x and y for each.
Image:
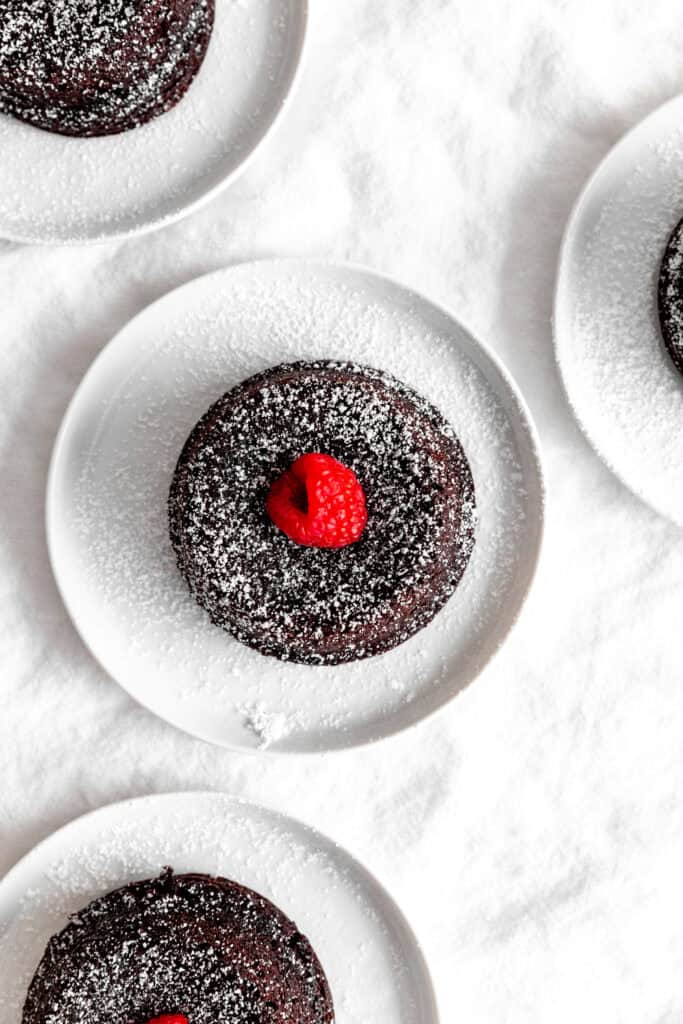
(671, 296)
(48, 39)
(206, 947)
(77, 63)
(420, 505)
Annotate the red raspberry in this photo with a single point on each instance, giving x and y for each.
(170, 1018)
(318, 502)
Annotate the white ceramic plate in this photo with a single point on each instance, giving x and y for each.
(371, 958)
(115, 456)
(55, 189)
(623, 387)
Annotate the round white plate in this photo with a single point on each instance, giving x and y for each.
(372, 960)
(623, 387)
(115, 456)
(55, 189)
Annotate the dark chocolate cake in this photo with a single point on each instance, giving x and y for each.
(98, 67)
(671, 296)
(309, 604)
(203, 947)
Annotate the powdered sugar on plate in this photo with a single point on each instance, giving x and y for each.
(108, 527)
(373, 964)
(622, 383)
(57, 189)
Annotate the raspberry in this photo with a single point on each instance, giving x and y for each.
(318, 502)
(170, 1018)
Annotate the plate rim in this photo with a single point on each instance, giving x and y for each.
(534, 452)
(570, 228)
(248, 806)
(300, 57)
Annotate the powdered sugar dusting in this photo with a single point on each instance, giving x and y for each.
(267, 726)
(623, 384)
(54, 188)
(374, 973)
(110, 537)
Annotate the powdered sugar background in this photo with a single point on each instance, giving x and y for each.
(532, 830)
(108, 522)
(369, 955)
(54, 188)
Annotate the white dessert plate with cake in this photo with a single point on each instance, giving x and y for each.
(621, 381)
(116, 455)
(368, 952)
(59, 188)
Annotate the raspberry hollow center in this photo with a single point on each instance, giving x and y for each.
(318, 502)
(170, 1018)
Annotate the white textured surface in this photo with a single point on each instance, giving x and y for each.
(533, 831)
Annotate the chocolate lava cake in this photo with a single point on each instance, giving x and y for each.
(98, 67)
(203, 948)
(671, 296)
(316, 605)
